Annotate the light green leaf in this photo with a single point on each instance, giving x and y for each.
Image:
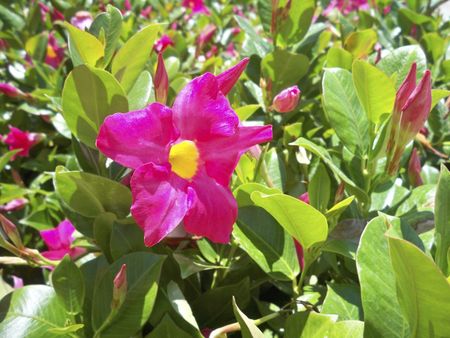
(130, 60)
(180, 304)
(340, 58)
(245, 112)
(347, 329)
(442, 220)
(84, 48)
(319, 188)
(139, 94)
(4, 159)
(361, 43)
(343, 300)
(89, 95)
(248, 328)
(309, 325)
(297, 22)
(254, 44)
(437, 95)
(375, 90)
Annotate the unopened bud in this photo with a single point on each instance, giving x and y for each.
(287, 100)
(161, 81)
(10, 90)
(120, 287)
(414, 169)
(11, 231)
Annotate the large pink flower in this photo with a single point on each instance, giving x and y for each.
(20, 139)
(183, 158)
(59, 241)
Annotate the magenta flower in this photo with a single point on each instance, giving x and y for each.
(59, 241)
(287, 100)
(161, 44)
(183, 158)
(82, 20)
(55, 53)
(19, 139)
(346, 6)
(145, 12)
(197, 6)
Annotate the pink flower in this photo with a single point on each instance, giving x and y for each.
(55, 53)
(127, 5)
(57, 15)
(183, 158)
(414, 169)
(304, 197)
(19, 139)
(212, 51)
(231, 50)
(287, 100)
(164, 42)
(59, 241)
(205, 36)
(411, 109)
(346, 6)
(145, 12)
(82, 20)
(15, 204)
(197, 6)
(9, 90)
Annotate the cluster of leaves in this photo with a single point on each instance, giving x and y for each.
(374, 256)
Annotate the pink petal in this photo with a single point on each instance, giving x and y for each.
(228, 78)
(138, 137)
(52, 239)
(221, 155)
(406, 88)
(213, 212)
(201, 112)
(65, 231)
(55, 255)
(160, 201)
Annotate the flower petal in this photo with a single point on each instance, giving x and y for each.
(213, 212)
(221, 155)
(202, 112)
(65, 231)
(228, 78)
(52, 239)
(138, 137)
(160, 201)
(55, 255)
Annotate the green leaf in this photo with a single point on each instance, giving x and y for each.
(302, 221)
(340, 58)
(36, 46)
(143, 270)
(423, 291)
(309, 325)
(284, 68)
(4, 159)
(245, 112)
(442, 220)
(344, 110)
(68, 283)
(361, 43)
(297, 22)
(90, 195)
(248, 328)
(103, 224)
(375, 90)
(180, 304)
(130, 60)
(319, 188)
(126, 238)
(84, 48)
(168, 328)
(32, 311)
(337, 209)
(347, 329)
(139, 94)
(399, 62)
(110, 22)
(343, 300)
(437, 95)
(435, 45)
(382, 314)
(266, 243)
(89, 95)
(254, 44)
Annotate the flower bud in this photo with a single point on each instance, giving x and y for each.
(9, 90)
(161, 81)
(414, 169)
(286, 100)
(228, 78)
(161, 44)
(120, 287)
(11, 231)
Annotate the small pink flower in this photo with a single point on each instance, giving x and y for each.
(19, 139)
(9, 90)
(287, 100)
(15, 204)
(82, 20)
(304, 197)
(161, 81)
(161, 44)
(206, 35)
(127, 5)
(57, 15)
(59, 241)
(212, 52)
(414, 169)
(145, 12)
(183, 158)
(346, 6)
(231, 50)
(197, 6)
(55, 53)
(235, 30)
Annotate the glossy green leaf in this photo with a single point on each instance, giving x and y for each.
(343, 300)
(36, 308)
(126, 238)
(361, 43)
(168, 328)
(302, 221)
(68, 283)
(103, 224)
(248, 327)
(254, 44)
(337, 209)
(143, 270)
(344, 110)
(89, 95)
(130, 60)
(309, 325)
(423, 291)
(139, 94)
(340, 58)
(266, 243)
(90, 194)
(382, 314)
(319, 188)
(296, 25)
(437, 95)
(442, 220)
(84, 47)
(375, 90)
(180, 304)
(6, 157)
(246, 111)
(347, 329)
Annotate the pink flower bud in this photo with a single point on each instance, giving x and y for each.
(57, 15)
(304, 197)
(9, 90)
(228, 78)
(205, 36)
(19, 139)
(286, 100)
(15, 204)
(161, 81)
(164, 42)
(414, 169)
(11, 231)
(145, 12)
(120, 288)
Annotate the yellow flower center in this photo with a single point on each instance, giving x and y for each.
(184, 157)
(51, 52)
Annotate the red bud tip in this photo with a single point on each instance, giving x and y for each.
(228, 78)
